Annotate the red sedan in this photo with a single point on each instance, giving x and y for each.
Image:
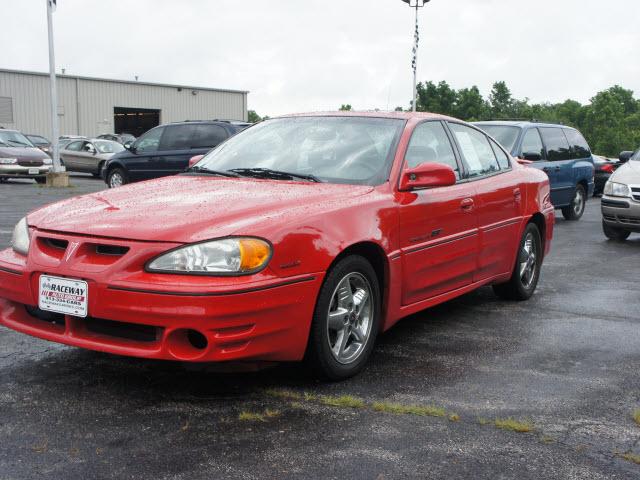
(302, 237)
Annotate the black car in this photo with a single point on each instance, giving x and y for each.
(166, 150)
(604, 167)
(40, 142)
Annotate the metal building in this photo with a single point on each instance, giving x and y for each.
(92, 106)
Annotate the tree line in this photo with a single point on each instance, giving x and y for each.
(610, 121)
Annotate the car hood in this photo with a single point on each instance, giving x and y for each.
(29, 153)
(628, 173)
(190, 208)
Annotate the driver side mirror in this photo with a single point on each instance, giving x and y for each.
(625, 156)
(195, 159)
(427, 175)
(128, 145)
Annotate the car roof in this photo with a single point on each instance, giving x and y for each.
(373, 114)
(521, 124)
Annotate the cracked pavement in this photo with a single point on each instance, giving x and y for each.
(567, 361)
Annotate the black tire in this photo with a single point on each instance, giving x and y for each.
(113, 175)
(518, 288)
(614, 233)
(319, 355)
(575, 210)
(41, 180)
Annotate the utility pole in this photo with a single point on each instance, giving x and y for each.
(58, 178)
(416, 37)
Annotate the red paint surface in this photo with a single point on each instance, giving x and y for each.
(436, 244)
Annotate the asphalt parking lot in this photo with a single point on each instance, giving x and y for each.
(563, 365)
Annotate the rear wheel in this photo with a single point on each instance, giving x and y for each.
(41, 180)
(614, 233)
(575, 210)
(524, 279)
(116, 178)
(346, 320)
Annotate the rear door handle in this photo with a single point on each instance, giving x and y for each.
(467, 204)
(517, 194)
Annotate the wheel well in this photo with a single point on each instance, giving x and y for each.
(585, 185)
(378, 259)
(539, 221)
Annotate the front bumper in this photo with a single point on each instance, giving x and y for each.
(19, 171)
(621, 213)
(140, 314)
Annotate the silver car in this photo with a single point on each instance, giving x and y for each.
(621, 201)
(88, 155)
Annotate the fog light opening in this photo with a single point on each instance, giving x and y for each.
(197, 340)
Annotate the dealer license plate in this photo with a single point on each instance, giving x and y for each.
(34, 171)
(63, 295)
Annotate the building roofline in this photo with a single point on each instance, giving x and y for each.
(131, 82)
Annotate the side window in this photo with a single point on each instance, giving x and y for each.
(208, 136)
(149, 141)
(579, 146)
(74, 146)
(503, 158)
(556, 143)
(532, 143)
(430, 143)
(177, 137)
(476, 150)
(88, 147)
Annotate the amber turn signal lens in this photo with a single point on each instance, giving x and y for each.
(253, 253)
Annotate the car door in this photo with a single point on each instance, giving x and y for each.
(175, 148)
(559, 165)
(86, 158)
(500, 202)
(438, 226)
(143, 161)
(69, 155)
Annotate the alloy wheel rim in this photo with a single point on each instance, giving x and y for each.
(528, 263)
(116, 180)
(578, 202)
(349, 318)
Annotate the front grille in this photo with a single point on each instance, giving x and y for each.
(111, 250)
(123, 330)
(25, 162)
(49, 317)
(614, 203)
(57, 243)
(635, 193)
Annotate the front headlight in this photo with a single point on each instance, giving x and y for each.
(614, 189)
(8, 161)
(20, 238)
(47, 161)
(228, 256)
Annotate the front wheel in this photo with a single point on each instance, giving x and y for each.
(575, 210)
(524, 279)
(614, 233)
(116, 178)
(346, 320)
(41, 180)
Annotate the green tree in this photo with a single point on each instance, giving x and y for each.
(345, 107)
(253, 117)
(469, 104)
(501, 101)
(440, 98)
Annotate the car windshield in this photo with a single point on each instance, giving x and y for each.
(14, 139)
(107, 146)
(505, 135)
(352, 150)
(636, 156)
(37, 140)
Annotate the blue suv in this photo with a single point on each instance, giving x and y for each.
(561, 151)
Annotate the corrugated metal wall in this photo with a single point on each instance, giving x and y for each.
(86, 105)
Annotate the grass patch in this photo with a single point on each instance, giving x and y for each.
(631, 457)
(258, 417)
(346, 401)
(399, 409)
(454, 417)
(483, 421)
(636, 416)
(513, 425)
(285, 394)
(546, 439)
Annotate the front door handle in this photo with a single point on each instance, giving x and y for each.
(517, 195)
(467, 205)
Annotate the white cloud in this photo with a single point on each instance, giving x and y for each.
(296, 55)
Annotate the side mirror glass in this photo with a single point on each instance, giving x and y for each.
(532, 156)
(427, 175)
(127, 145)
(195, 159)
(625, 156)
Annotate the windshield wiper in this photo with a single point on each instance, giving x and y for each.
(209, 171)
(19, 143)
(276, 174)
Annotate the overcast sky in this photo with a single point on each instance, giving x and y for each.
(303, 55)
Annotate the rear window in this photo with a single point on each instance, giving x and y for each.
(556, 143)
(505, 135)
(579, 146)
(208, 136)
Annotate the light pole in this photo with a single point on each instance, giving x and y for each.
(51, 5)
(414, 63)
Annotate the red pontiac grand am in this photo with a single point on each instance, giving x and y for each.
(301, 237)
